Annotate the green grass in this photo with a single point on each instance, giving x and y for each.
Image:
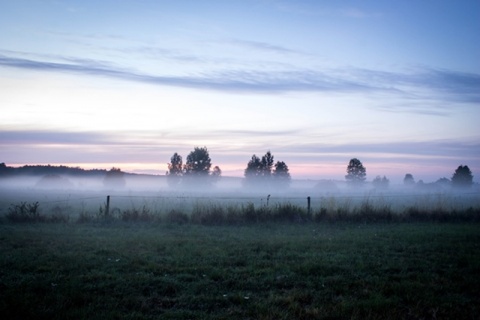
(121, 270)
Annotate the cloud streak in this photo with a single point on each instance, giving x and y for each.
(453, 148)
(426, 84)
(261, 46)
(26, 137)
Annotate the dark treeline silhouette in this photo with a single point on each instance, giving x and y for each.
(260, 174)
(356, 176)
(462, 178)
(41, 170)
(114, 178)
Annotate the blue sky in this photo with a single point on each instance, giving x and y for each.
(128, 83)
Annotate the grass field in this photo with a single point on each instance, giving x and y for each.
(121, 270)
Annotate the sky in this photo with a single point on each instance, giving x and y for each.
(128, 83)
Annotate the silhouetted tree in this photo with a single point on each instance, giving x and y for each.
(198, 163)
(114, 178)
(4, 169)
(216, 173)
(267, 164)
(260, 173)
(380, 183)
(409, 180)
(195, 172)
(462, 177)
(197, 169)
(356, 172)
(281, 176)
(254, 170)
(175, 170)
(443, 183)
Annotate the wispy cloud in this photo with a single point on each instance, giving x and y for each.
(162, 53)
(422, 85)
(416, 108)
(394, 151)
(13, 137)
(38, 146)
(241, 80)
(261, 46)
(426, 83)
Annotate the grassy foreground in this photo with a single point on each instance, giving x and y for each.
(269, 271)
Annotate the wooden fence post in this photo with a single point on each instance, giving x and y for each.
(107, 209)
(308, 204)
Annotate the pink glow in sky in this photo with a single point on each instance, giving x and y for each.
(107, 83)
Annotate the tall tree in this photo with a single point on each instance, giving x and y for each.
(356, 172)
(267, 164)
(462, 177)
(380, 183)
(196, 171)
(253, 171)
(264, 173)
(281, 175)
(198, 163)
(408, 180)
(175, 170)
(216, 173)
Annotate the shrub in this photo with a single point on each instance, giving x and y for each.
(85, 217)
(212, 214)
(249, 213)
(234, 215)
(371, 213)
(58, 215)
(321, 215)
(24, 212)
(175, 216)
(288, 212)
(134, 214)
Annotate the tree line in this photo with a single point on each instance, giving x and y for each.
(260, 173)
(356, 176)
(197, 171)
(40, 170)
(264, 173)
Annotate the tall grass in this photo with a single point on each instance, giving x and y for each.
(210, 212)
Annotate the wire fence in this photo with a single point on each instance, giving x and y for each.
(77, 203)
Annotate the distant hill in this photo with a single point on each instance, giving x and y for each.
(41, 170)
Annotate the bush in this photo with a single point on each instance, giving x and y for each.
(85, 217)
(59, 215)
(288, 212)
(234, 215)
(175, 216)
(249, 214)
(369, 212)
(30, 212)
(212, 214)
(134, 214)
(24, 212)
